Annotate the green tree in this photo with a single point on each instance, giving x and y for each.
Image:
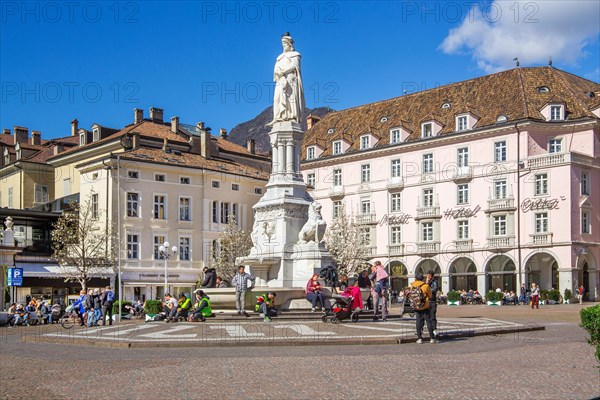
(233, 243)
(346, 244)
(82, 247)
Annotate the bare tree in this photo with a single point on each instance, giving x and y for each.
(346, 244)
(81, 247)
(233, 243)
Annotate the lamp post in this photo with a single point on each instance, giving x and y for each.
(166, 253)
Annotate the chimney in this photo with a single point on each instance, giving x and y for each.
(74, 127)
(135, 140)
(195, 146)
(138, 115)
(204, 140)
(36, 138)
(175, 125)
(251, 146)
(223, 133)
(6, 131)
(21, 135)
(165, 144)
(311, 121)
(156, 114)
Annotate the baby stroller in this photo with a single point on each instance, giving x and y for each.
(407, 308)
(340, 310)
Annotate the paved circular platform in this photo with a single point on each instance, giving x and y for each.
(285, 332)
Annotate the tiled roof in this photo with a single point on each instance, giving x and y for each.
(513, 93)
(192, 160)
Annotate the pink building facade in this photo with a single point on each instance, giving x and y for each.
(488, 193)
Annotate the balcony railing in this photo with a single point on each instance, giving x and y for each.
(428, 247)
(396, 183)
(463, 244)
(500, 242)
(336, 191)
(366, 218)
(501, 204)
(546, 160)
(428, 212)
(541, 239)
(463, 173)
(396, 249)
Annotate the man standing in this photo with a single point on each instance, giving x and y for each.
(419, 294)
(240, 282)
(433, 285)
(107, 299)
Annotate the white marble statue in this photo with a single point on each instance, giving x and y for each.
(314, 229)
(288, 99)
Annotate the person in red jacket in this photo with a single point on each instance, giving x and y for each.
(314, 292)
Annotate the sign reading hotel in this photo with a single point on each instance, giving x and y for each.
(541, 204)
(462, 212)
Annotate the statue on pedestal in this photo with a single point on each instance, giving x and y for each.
(314, 229)
(288, 99)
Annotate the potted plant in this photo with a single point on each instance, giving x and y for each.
(494, 298)
(567, 296)
(453, 298)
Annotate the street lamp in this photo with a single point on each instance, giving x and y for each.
(166, 253)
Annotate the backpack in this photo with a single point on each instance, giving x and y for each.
(110, 296)
(416, 297)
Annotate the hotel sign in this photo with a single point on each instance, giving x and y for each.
(462, 212)
(541, 204)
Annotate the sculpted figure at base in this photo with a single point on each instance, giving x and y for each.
(314, 229)
(288, 99)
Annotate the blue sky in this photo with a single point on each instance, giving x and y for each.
(212, 61)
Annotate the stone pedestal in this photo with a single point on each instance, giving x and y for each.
(277, 258)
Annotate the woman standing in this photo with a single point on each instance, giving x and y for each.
(314, 292)
(535, 296)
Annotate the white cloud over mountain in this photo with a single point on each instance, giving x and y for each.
(531, 31)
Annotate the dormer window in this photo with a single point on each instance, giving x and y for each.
(461, 123)
(6, 156)
(337, 147)
(501, 119)
(365, 142)
(96, 133)
(543, 89)
(330, 130)
(445, 105)
(384, 119)
(310, 153)
(395, 136)
(18, 151)
(427, 130)
(82, 139)
(556, 113)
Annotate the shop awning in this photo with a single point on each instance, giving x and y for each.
(52, 270)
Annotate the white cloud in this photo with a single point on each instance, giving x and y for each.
(532, 31)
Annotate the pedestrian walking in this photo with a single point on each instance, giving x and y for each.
(240, 282)
(580, 293)
(535, 296)
(379, 286)
(419, 294)
(434, 286)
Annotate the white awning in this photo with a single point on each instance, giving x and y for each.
(53, 270)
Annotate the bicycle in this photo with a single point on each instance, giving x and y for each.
(69, 318)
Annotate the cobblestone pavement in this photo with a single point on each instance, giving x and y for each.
(553, 364)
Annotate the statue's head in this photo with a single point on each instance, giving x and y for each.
(287, 42)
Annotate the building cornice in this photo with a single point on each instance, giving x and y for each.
(438, 141)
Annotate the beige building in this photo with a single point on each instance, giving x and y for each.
(26, 180)
(156, 182)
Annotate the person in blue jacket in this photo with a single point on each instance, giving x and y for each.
(79, 306)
